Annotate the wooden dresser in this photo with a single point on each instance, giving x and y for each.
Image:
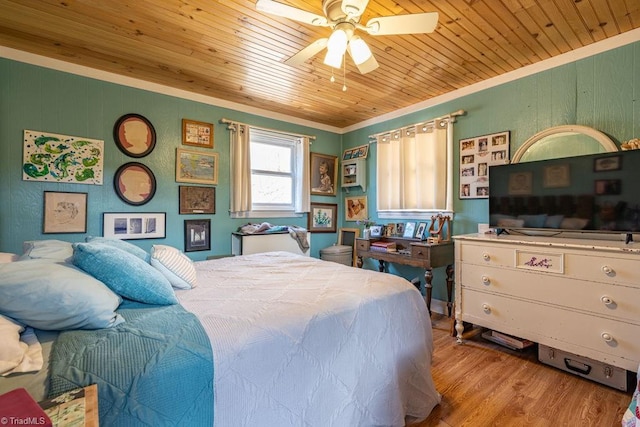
(580, 296)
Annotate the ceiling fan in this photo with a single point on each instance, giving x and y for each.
(343, 16)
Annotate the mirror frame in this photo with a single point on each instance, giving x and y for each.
(603, 139)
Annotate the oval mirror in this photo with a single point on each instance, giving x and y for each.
(563, 141)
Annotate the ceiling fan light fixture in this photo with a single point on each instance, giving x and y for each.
(333, 59)
(338, 41)
(359, 50)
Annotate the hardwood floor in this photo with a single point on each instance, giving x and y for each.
(483, 384)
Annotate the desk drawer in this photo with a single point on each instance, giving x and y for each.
(420, 252)
(362, 245)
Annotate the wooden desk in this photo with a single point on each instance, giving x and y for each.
(418, 254)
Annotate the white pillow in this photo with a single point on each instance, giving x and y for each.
(18, 355)
(174, 265)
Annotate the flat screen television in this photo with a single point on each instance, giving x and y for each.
(592, 193)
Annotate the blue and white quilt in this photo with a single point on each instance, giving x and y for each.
(155, 369)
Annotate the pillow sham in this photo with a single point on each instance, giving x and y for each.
(174, 265)
(7, 257)
(124, 273)
(535, 221)
(574, 223)
(553, 221)
(121, 244)
(51, 295)
(56, 250)
(20, 350)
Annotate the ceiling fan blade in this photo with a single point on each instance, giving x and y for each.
(403, 24)
(354, 8)
(307, 52)
(279, 9)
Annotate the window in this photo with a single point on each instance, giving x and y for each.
(269, 173)
(413, 172)
(273, 183)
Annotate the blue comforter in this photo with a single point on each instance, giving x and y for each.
(155, 369)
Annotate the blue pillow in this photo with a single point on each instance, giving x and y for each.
(52, 295)
(124, 273)
(534, 221)
(122, 244)
(553, 221)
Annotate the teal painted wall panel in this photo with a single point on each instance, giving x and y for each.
(37, 98)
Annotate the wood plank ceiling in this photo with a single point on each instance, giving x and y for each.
(228, 50)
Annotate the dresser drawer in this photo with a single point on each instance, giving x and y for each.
(487, 255)
(607, 340)
(603, 299)
(603, 268)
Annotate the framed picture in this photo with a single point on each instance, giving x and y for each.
(376, 230)
(64, 212)
(323, 218)
(134, 183)
(196, 167)
(324, 174)
(520, 183)
(400, 228)
(556, 176)
(134, 225)
(134, 135)
(346, 155)
(52, 157)
(356, 208)
(420, 230)
(409, 230)
(390, 230)
(198, 134)
(609, 163)
(604, 187)
(476, 156)
(360, 152)
(197, 200)
(197, 235)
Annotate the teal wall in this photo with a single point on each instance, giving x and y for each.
(42, 99)
(602, 91)
(599, 91)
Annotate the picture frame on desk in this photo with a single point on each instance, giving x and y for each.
(409, 230)
(420, 230)
(376, 230)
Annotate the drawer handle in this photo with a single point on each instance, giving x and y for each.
(486, 308)
(607, 337)
(486, 280)
(606, 300)
(486, 257)
(607, 270)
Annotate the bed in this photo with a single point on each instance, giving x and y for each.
(264, 339)
(631, 416)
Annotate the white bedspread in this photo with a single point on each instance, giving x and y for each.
(302, 342)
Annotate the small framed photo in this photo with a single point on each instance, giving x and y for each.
(346, 155)
(400, 228)
(420, 230)
(134, 135)
(64, 212)
(196, 167)
(323, 218)
(409, 230)
(197, 200)
(609, 163)
(390, 230)
(134, 183)
(324, 174)
(605, 187)
(134, 225)
(376, 230)
(197, 235)
(198, 134)
(355, 208)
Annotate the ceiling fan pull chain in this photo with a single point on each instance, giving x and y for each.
(332, 79)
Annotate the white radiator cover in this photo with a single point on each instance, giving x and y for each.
(246, 244)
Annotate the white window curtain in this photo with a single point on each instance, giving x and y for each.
(414, 169)
(240, 181)
(240, 168)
